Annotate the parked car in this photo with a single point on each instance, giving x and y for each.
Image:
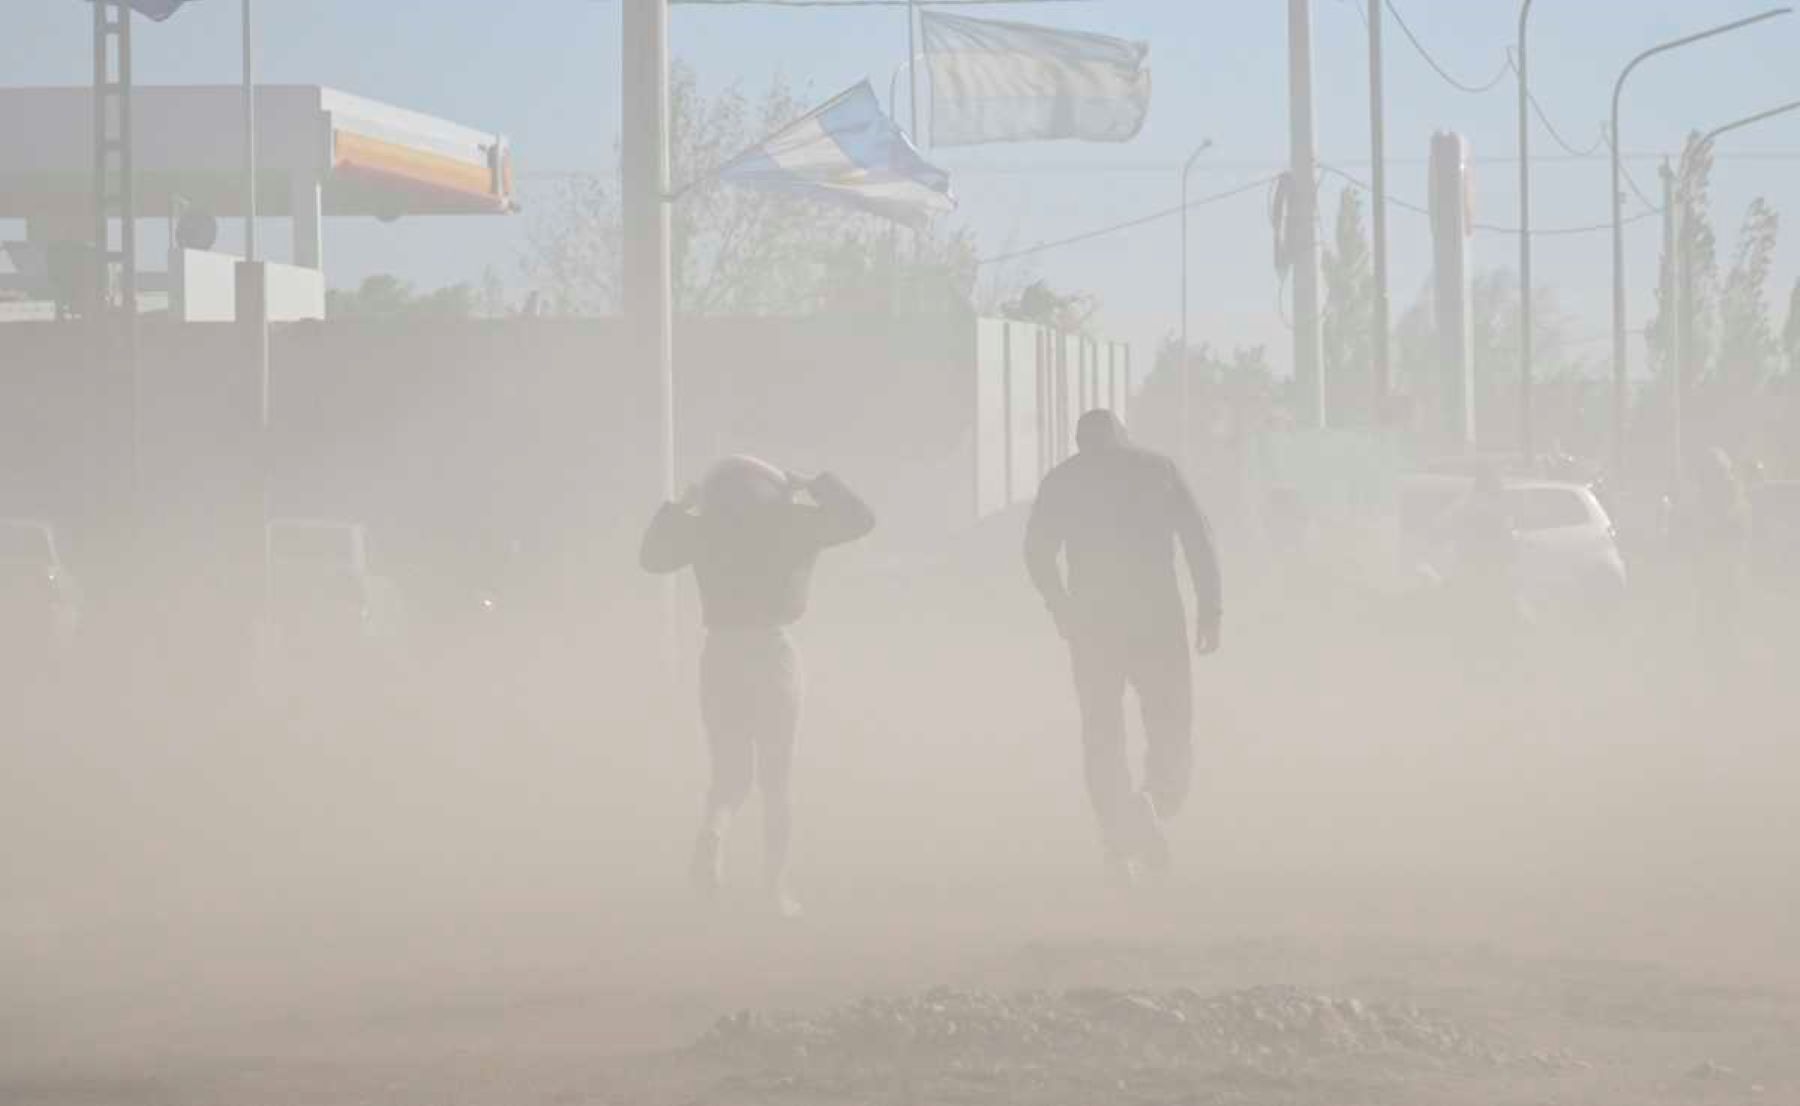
(1570, 567)
(40, 602)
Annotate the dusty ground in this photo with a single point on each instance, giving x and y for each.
(1569, 880)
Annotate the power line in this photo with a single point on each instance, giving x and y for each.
(1461, 86)
(1158, 168)
(1142, 220)
(1632, 183)
(1491, 228)
(1543, 117)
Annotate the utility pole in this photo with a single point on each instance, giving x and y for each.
(648, 293)
(1675, 279)
(649, 310)
(1304, 238)
(1526, 445)
(1378, 328)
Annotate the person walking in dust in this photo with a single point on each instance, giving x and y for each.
(1113, 512)
(751, 533)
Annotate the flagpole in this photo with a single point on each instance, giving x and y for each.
(912, 70)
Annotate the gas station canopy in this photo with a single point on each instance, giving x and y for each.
(319, 152)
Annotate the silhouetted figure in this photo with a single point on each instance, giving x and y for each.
(752, 544)
(1715, 535)
(1113, 512)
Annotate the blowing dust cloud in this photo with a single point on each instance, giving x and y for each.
(676, 552)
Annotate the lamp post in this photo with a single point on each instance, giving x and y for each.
(1621, 390)
(1181, 365)
(1526, 447)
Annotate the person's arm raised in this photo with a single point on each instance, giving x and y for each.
(840, 516)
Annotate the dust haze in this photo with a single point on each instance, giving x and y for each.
(384, 668)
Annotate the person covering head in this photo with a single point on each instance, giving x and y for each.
(742, 484)
(751, 533)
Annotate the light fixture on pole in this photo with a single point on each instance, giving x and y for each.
(1181, 365)
(1621, 390)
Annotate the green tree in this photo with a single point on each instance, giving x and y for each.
(1693, 196)
(384, 296)
(1348, 317)
(1747, 344)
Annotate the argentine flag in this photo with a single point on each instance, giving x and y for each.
(1015, 82)
(848, 152)
(158, 10)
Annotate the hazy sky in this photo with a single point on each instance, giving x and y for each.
(545, 72)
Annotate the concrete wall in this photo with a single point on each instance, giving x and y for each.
(459, 435)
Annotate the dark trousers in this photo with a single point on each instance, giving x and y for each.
(1156, 666)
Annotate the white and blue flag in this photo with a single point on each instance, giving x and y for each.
(158, 10)
(1015, 82)
(848, 152)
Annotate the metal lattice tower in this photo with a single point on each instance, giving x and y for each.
(113, 311)
(115, 266)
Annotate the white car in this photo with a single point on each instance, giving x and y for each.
(1569, 568)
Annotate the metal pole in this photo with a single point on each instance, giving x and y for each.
(645, 149)
(648, 268)
(1383, 382)
(1305, 243)
(1675, 281)
(1621, 385)
(1181, 365)
(912, 71)
(249, 184)
(1527, 447)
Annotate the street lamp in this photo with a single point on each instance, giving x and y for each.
(1525, 370)
(1187, 409)
(1621, 392)
(1682, 262)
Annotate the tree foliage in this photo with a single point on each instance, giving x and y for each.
(384, 296)
(1693, 196)
(1747, 344)
(1348, 317)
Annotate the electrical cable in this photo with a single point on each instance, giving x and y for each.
(1492, 228)
(1460, 86)
(1129, 224)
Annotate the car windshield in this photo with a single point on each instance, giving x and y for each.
(1546, 508)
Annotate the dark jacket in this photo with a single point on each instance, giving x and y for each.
(1114, 514)
(754, 568)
